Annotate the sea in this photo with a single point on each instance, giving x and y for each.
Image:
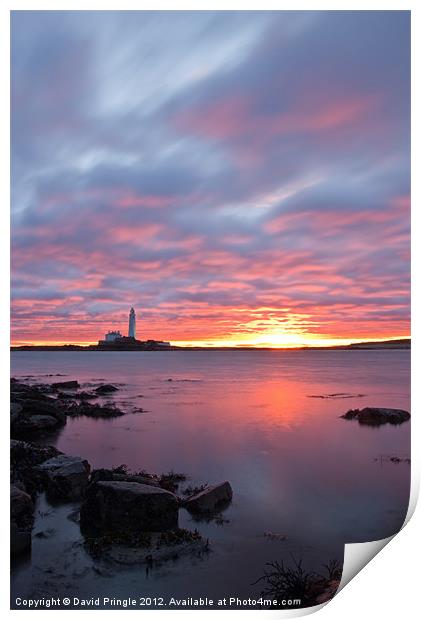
(305, 481)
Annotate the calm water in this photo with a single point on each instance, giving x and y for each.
(295, 467)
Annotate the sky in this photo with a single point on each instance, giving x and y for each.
(237, 177)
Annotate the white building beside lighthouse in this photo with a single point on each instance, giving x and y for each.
(132, 323)
(112, 336)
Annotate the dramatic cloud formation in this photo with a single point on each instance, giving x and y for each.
(237, 177)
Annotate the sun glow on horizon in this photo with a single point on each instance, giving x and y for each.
(282, 342)
(290, 341)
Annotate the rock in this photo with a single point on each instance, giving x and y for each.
(38, 405)
(114, 506)
(149, 480)
(15, 408)
(65, 385)
(21, 507)
(171, 481)
(33, 412)
(211, 499)
(21, 520)
(49, 406)
(66, 477)
(34, 424)
(15, 411)
(375, 416)
(93, 410)
(35, 392)
(106, 388)
(98, 475)
(24, 454)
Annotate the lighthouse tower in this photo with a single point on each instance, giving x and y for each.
(132, 323)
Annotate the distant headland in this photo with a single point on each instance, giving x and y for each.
(154, 345)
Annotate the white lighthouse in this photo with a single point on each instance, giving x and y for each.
(132, 323)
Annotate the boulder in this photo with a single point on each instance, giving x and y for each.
(31, 414)
(66, 477)
(115, 506)
(106, 389)
(24, 454)
(49, 406)
(375, 416)
(21, 520)
(34, 424)
(211, 499)
(65, 385)
(32, 410)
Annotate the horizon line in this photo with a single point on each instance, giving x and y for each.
(317, 343)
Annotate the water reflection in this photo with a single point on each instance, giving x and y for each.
(297, 469)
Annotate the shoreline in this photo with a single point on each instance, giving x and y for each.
(401, 344)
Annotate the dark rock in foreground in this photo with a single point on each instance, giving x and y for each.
(65, 385)
(21, 520)
(210, 499)
(66, 477)
(32, 411)
(24, 456)
(375, 416)
(113, 506)
(106, 389)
